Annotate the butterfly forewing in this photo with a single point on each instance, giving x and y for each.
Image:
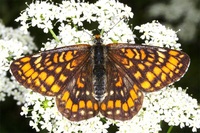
(48, 72)
(150, 68)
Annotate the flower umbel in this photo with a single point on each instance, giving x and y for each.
(156, 34)
(13, 44)
(70, 18)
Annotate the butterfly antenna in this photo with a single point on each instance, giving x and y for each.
(123, 18)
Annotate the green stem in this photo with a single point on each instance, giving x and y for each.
(101, 33)
(170, 129)
(54, 35)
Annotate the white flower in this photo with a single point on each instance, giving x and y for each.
(34, 125)
(24, 110)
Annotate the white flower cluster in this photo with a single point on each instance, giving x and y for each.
(170, 104)
(70, 18)
(13, 43)
(156, 34)
(175, 10)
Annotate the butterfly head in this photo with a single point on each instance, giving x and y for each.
(98, 40)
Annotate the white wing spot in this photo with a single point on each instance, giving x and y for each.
(162, 50)
(87, 93)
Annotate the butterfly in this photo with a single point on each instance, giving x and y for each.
(109, 79)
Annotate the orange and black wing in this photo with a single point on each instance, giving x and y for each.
(63, 72)
(150, 68)
(135, 68)
(77, 102)
(123, 100)
(48, 72)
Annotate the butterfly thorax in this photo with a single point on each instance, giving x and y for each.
(99, 73)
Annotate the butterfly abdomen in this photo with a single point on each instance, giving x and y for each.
(99, 73)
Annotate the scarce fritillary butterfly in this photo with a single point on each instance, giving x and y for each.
(108, 79)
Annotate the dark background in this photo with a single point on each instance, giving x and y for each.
(10, 119)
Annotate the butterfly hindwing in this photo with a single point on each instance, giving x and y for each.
(48, 72)
(123, 100)
(77, 102)
(150, 68)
